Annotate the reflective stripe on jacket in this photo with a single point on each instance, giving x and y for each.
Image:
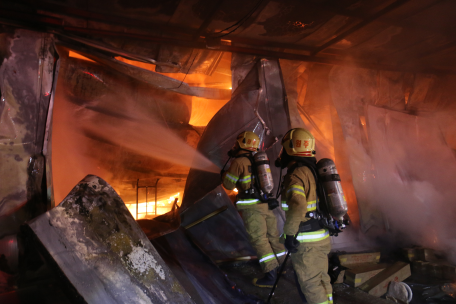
(315, 236)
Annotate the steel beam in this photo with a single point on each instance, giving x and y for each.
(259, 52)
(156, 195)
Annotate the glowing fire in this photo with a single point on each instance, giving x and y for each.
(147, 210)
(76, 55)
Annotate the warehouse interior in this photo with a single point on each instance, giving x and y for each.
(116, 118)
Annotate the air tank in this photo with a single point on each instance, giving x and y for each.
(264, 172)
(330, 179)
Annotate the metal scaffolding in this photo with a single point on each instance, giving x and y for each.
(147, 188)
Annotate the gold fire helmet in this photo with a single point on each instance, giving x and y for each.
(299, 142)
(248, 140)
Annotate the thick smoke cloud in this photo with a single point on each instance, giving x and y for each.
(150, 138)
(399, 135)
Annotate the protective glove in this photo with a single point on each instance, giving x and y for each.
(273, 203)
(291, 243)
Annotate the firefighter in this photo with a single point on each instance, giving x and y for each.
(309, 251)
(259, 221)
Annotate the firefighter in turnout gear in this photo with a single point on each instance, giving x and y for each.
(260, 222)
(310, 249)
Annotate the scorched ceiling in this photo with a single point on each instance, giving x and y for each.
(403, 35)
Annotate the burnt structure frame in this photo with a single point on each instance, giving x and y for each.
(32, 14)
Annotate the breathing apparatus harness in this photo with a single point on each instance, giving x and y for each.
(254, 192)
(320, 218)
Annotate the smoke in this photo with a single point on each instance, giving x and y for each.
(91, 141)
(414, 176)
(150, 138)
(120, 129)
(398, 134)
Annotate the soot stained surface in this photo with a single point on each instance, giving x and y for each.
(102, 251)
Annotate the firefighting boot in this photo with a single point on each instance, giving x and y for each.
(268, 280)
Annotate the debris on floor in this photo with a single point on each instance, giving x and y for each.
(358, 275)
(344, 294)
(378, 285)
(359, 267)
(242, 273)
(351, 259)
(399, 292)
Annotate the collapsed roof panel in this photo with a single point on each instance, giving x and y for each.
(101, 250)
(26, 75)
(221, 236)
(259, 105)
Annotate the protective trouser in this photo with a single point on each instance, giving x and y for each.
(261, 226)
(311, 266)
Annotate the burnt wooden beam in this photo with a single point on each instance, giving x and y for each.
(360, 25)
